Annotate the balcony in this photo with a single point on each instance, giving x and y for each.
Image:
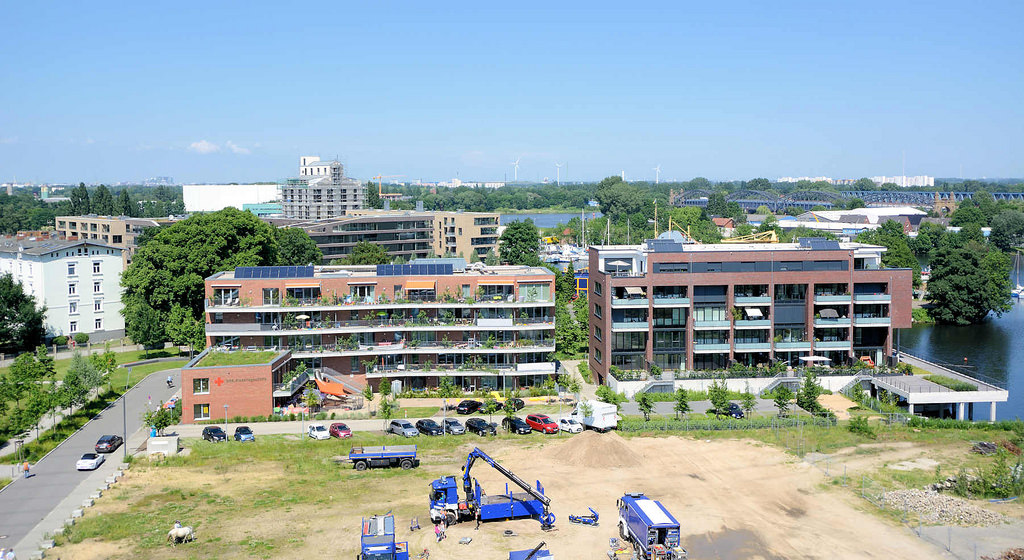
(289, 388)
(630, 326)
(537, 368)
(792, 346)
(833, 345)
(753, 324)
(872, 298)
(711, 324)
(671, 301)
(872, 321)
(630, 302)
(752, 300)
(321, 304)
(753, 346)
(710, 348)
(832, 323)
(823, 299)
(497, 322)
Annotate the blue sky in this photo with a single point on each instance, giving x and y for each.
(213, 92)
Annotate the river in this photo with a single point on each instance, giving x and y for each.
(547, 220)
(995, 349)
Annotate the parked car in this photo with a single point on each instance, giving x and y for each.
(340, 430)
(403, 428)
(318, 431)
(516, 425)
(108, 444)
(214, 434)
(735, 411)
(243, 433)
(89, 462)
(497, 405)
(515, 404)
(429, 427)
(542, 423)
(481, 427)
(570, 425)
(453, 426)
(468, 407)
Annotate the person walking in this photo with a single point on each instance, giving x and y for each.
(444, 529)
(9, 555)
(437, 531)
(25, 472)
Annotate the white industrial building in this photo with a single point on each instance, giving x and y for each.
(210, 198)
(79, 282)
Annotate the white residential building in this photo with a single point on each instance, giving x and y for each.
(211, 198)
(79, 282)
(905, 181)
(321, 191)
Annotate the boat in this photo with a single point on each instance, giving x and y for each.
(1017, 292)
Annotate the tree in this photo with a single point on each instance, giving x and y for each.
(807, 396)
(447, 390)
(72, 391)
(782, 398)
(764, 210)
(617, 199)
(386, 408)
(79, 198)
(146, 326)
(968, 283)
(645, 403)
(102, 201)
(491, 259)
(569, 383)
(489, 408)
(25, 372)
(105, 363)
(125, 205)
(365, 253)
(864, 184)
(1008, 230)
(296, 248)
(968, 214)
(519, 243)
(718, 394)
(759, 184)
(384, 388)
(898, 254)
(90, 377)
(312, 398)
(748, 401)
(160, 419)
(185, 329)
(605, 394)
(21, 322)
(717, 205)
(855, 203)
(682, 402)
(172, 266)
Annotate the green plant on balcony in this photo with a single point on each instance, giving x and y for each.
(470, 301)
(421, 317)
(490, 342)
(778, 338)
(290, 322)
(412, 343)
(368, 365)
(290, 301)
(428, 365)
(737, 313)
(446, 342)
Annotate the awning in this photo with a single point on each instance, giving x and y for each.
(328, 388)
(494, 282)
(753, 312)
(829, 314)
(303, 285)
(225, 285)
(815, 359)
(617, 263)
(634, 291)
(352, 282)
(420, 285)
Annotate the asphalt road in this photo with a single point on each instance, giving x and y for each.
(25, 502)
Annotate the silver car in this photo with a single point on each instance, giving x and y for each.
(403, 428)
(453, 426)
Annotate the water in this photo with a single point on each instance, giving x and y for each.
(547, 220)
(995, 349)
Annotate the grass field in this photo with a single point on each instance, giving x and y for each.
(236, 358)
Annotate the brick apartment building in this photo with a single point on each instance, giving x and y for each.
(698, 307)
(210, 392)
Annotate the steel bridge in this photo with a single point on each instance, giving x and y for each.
(750, 200)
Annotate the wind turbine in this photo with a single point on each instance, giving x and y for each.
(558, 174)
(515, 174)
(657, 174)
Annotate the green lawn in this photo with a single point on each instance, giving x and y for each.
(139, 372)
(236, 358)
(61, 366)
(417, 412)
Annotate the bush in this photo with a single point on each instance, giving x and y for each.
(332, 416)
(320, 416)
(81, 338)
(859, 425)
(949, 382)
(60, 340)
(291, 417)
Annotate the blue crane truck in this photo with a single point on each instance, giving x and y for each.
(536, 553)
(649, 527)
(378, 540)
(364, 457)
(446, 506)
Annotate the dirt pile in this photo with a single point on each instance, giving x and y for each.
(591, 449)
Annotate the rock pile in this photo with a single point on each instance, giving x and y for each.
(933, 507)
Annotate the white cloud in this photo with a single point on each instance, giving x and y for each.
(203, 147)
(236, 148)
(8, 139)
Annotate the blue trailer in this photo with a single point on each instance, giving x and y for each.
(364, 457)
(378, 540)
(446, 506)
(649, 527)
(536, 553)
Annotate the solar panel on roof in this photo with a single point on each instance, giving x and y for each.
(274, 272)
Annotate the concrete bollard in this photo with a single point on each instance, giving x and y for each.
(87, 503)
(57, 532)
(119, 474)
(103, 487)
(96, 495)
(110, 480)
(69, 521)
(47, 544)
(76, 513)
(37, 555)
(123, 466)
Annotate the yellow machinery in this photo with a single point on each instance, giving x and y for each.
(383, 195)
(763, 237)
(686, 233)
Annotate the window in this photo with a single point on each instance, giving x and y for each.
(96, 267)
(72, 289)
(629, 341)
(710, 313)
(73, 327)
(271, 296)
(597, 332)
(597, 311)
(597, 355)
(99, 324)
(97, 287)
(201, 412)
(360, 292)
(72, 307)
(672, 317)
(200, 385)
(97, 305)
(71, 269)
(669, 340)
(597, 288)
(353, 365)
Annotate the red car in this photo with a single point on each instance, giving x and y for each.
(542, 423)
(339, 430)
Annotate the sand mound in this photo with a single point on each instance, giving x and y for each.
(591, 449)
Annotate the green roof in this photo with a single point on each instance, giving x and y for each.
(236, 358)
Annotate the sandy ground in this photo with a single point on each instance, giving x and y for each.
(838, 404)
(734, 499)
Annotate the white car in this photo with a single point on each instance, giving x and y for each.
(570, 425)
(89, 462)
(317, 431)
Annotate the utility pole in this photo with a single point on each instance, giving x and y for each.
(124, 411)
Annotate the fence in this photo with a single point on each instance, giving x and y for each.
(713, 424)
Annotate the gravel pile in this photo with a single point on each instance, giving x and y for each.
(933, 507)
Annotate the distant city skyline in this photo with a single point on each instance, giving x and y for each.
(725, 91)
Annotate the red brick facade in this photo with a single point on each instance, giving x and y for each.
(246, 389)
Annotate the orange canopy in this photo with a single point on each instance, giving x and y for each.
(328, 388)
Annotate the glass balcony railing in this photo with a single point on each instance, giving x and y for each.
(833, 345)
(832, 322)
(753, 324)
(630, 302)
(831, 298)
(752, 300)
(793, 345)
(630, 325)
(872, 321)
(866, 298)
(753, 346)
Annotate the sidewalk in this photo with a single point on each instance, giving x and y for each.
(8, 359)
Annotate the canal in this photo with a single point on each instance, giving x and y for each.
(994, 349)
(548, 220)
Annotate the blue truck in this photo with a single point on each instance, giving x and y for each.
(364, 457)
(536, 553)
(649, 527)
(378, 540)
(446, 506)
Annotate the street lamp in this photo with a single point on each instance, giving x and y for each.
(225, 417)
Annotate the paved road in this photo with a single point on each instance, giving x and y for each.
(25, 502)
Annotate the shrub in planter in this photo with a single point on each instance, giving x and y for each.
(81, 338)
(332, 416)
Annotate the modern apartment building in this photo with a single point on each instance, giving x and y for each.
(321, 191)
(116, 231)
(78, 282)
(454, 233)
(704, 307)
(483, 327)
